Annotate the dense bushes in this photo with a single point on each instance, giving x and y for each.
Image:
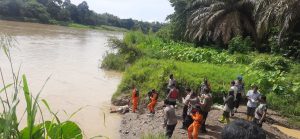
(240, 45)
(276, 76)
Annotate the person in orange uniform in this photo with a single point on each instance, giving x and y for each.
(193, 129)
(153, 97)
(134, 98)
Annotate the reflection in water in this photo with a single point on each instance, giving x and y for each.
(71, 57)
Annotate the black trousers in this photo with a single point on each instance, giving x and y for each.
(203, 127)
(238, 100)
(187, 121)
(184, 112)
(169, 130)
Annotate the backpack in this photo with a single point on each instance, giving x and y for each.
(174, 94)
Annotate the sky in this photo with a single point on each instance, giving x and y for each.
(145, 10)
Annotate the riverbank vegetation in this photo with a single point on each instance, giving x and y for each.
(63, 12)
(148, 60)
(218, 40)
(10, 94)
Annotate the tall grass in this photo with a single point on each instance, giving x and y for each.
(9, 99)
(150, 73)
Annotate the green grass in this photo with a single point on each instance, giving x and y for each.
(147, 74)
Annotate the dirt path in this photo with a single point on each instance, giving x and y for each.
(133, 125)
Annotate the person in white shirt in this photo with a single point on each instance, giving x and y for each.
(261, 111)
(253, 97)
(170, 119)
(186, 105)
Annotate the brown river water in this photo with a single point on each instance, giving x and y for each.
(71, 57)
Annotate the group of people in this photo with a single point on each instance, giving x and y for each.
(197, 104)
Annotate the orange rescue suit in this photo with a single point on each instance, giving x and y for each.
(193, 129)
(134, 99)
(153, 102)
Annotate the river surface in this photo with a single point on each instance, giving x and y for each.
(71, 57)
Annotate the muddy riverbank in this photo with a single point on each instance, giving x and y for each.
(134, 125)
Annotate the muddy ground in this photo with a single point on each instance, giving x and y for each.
(134, 125)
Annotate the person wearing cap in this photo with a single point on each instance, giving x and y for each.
(240, 92)
(193, 129)
(134, 98)
(253, 97)
(170, 119)
(153, 98)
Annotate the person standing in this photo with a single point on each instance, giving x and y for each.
(193, 129)
(228, 107)
(192, 103)
(205, 86)
(240, 92)
(170, 119)
(252, 96)
(153, 98)
(261, 111)
(205, 104)
(170, 83)
(173, 95)
(134, 98)
(235, 90)
(186, 105)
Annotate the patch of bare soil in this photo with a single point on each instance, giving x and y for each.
(134, 125)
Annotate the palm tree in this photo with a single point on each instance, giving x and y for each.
(220, 19)
(282, 13)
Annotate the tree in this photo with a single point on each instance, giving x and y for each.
(83, 12)
(283, 13)
(220, 20)
(36, 10)
(178, 20)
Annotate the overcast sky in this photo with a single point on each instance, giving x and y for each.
(146, 10)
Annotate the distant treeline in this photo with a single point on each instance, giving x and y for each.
(64, 12)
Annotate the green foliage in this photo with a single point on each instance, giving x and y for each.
(147, 74)
(240, 45)
(276, 76)
(57, 11)
(274, 63)
(113, 62)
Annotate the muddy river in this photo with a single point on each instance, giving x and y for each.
(71, 57)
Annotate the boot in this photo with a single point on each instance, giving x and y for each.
(222, 119)
(227, 120)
